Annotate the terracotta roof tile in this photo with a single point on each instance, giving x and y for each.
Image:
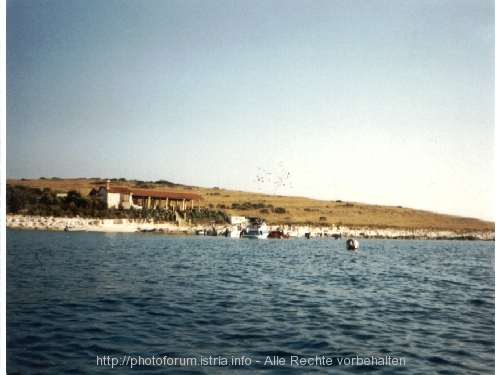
(118, 189)
(165, 194)
(153, 193)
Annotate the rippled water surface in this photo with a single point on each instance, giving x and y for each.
(81, 302)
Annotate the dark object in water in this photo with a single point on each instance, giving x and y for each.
(150, 230)
(352, 244)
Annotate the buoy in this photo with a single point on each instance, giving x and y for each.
(352, 244)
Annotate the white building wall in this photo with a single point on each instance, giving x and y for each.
(112, 199)
(126, 205)
(237, 219)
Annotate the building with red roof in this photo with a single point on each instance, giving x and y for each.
(126, 198)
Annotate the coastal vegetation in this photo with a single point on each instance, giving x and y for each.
(219, 204)
(46, 202)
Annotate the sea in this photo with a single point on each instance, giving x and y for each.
(117, 303)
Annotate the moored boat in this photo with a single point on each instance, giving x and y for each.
(278, 234)
(233, 231)
(75, 229)
(256, 228)
(211, 232)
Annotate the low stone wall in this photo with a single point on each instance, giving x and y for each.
(91, 225)
(411, 234)
(420, 234)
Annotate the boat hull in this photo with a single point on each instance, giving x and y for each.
(75, 229)
(257, 229)
(255, 235)
(231, 232)
(277, 234)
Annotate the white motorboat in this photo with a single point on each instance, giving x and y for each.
(233, 231)
(75, 229)
(256, 228)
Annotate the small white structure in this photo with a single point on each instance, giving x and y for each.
(235, 220)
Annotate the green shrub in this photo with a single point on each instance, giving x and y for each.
(19, 198)
(205, 215)
(256, 206)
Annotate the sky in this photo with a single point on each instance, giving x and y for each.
(384, 102)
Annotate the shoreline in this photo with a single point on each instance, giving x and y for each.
(26, 222)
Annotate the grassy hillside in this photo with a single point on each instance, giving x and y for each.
(297, 210)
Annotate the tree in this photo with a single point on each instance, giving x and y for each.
(21, 197)
(77, 199)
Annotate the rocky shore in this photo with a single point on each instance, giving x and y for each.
(91, 225)
(127, 225)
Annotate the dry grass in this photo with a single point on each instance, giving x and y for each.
(298, 210)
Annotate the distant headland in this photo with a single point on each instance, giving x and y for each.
(193, 206)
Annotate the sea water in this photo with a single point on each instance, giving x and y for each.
(102, 303)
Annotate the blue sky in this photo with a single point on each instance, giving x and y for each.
(380, 102)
